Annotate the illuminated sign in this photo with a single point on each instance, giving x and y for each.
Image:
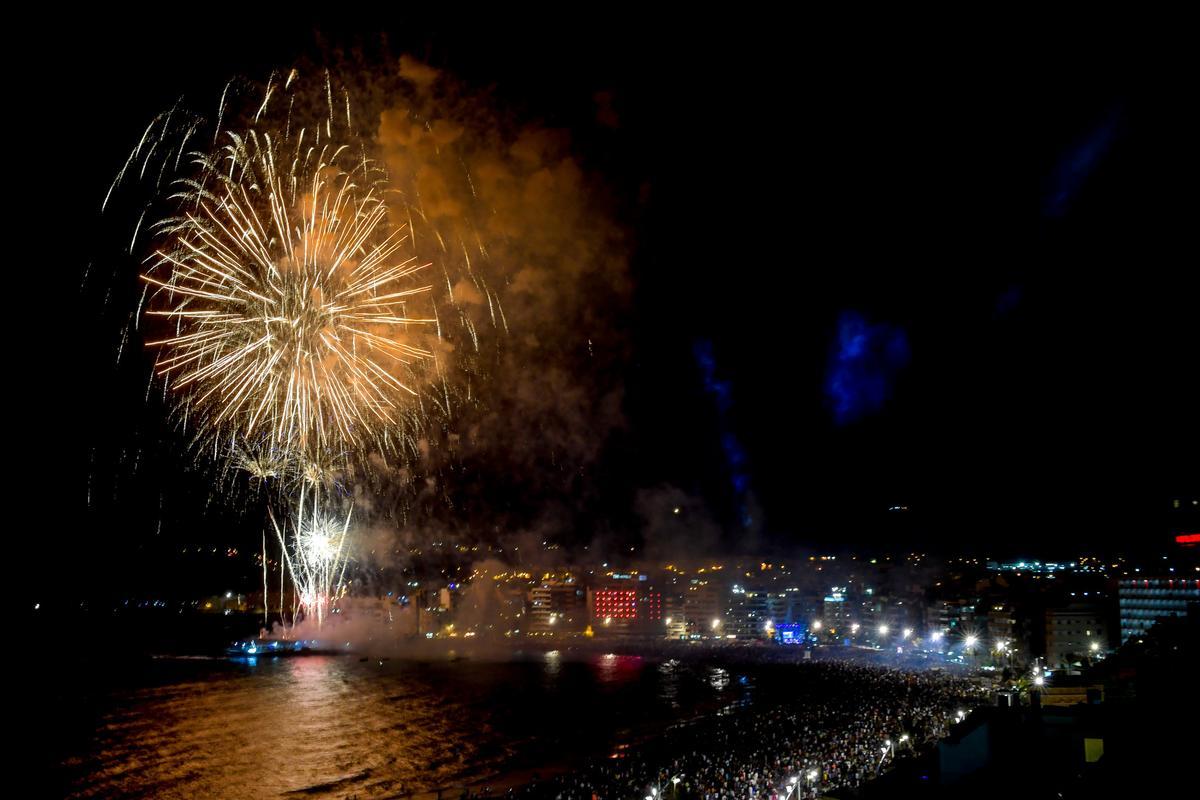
(624, 604)
(790, 633)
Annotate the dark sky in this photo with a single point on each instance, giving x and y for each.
(1008, 231)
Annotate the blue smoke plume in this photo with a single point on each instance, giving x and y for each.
(1008, 301)
(863, 366)
(735, 456)
(1077, 163)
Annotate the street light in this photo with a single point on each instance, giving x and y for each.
(887, 745)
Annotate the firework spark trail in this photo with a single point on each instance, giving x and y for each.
(288, 300)
(246, 228)
(284, 299)
(285, 223)
(315, 554)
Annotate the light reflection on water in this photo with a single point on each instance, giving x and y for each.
(334, 726)
(668, 677)
(553, 665)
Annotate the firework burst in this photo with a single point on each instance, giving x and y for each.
(316, 553)
(261, 464)
(288, 315)
(300, 341)
(288, 299)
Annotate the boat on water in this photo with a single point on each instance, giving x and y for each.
(271, 646)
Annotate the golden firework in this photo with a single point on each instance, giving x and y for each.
(289, 298)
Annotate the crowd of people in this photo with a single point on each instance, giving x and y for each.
(843, 724)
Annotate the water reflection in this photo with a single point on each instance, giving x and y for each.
(615, 669)
(718, 677)
(668, 681)
(332, 726)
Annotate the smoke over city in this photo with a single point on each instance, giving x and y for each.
(533, 284)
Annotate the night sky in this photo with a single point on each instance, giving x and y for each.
(866, 273)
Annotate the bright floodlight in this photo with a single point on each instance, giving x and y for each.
(1039, 681)
(971, 641)
(816, 626)
(1095, 646)
(854, 628)
(936, 636)
(716, 623)
(907, 632)
(883, 629)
